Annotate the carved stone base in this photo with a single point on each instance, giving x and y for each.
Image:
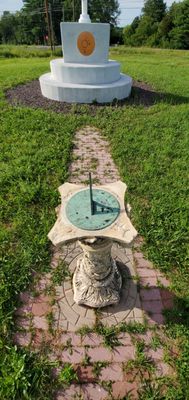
(96, 281)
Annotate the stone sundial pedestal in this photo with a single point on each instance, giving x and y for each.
(96, 217)
(85, 74)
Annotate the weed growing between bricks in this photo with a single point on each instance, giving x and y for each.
(110, 334)
(60, 273)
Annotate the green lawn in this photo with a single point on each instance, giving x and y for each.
(150, 147)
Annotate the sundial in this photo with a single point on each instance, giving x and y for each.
(95, 216)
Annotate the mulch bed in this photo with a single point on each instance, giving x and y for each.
(29, 95)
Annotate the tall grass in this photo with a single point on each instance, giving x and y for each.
(12, 51)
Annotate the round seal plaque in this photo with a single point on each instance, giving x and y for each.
(86, 43)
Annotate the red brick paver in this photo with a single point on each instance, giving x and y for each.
(112, 372)
(92, 339)
(93, 391)
(69, 393)
(122, 389)
(73, 356)
(85, 374)
(99, 354)
(123, 353)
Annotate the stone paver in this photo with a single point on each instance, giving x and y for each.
(154, 307)
(99, 354)
(73, 356)
(123, 353)
(69, 337)
(155, 319)
(146, 337)
(150, 294)
(112, 372)
(92, 339)
(163, 369)
(41, 306)
(40, 323)
(23, 338)
(122, 389)
(85, 374)
(155, 354)
(125, 339)
(69, 393)
(53, 319)
(93, 391)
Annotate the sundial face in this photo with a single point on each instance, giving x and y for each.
(106, 209)
(86, 43)
(94, 212)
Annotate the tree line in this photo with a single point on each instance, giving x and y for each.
(159, 26)
(38, 19)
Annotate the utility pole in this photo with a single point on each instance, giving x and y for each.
(63, 15)
(48, 24)
(73, 10)
(51, 25)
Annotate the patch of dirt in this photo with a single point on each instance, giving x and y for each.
(29, 95)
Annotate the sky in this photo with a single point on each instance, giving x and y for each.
(129, 8)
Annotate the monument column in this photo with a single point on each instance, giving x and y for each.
(84, 17)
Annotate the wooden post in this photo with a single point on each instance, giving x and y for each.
(48, 24)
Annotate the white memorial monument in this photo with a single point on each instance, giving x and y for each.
(85, 74)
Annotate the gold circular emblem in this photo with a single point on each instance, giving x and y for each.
(86, 43)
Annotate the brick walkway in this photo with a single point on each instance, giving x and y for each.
(48, 315)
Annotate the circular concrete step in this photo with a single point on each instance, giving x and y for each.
(81, 93)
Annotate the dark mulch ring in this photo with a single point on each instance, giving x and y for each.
(29, 95)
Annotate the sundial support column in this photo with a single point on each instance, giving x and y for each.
(97, 280)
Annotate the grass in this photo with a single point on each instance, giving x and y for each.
(25, 375)
(150, 147)
(165, 70)
(35, 154)
(98, 366)
(60, 273)
(142, 364)
(11, 51)
(110, 334)
(67, 375)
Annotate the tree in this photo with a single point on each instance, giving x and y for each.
(116, 35)
(99, 10)
(33, 12)
(144, 31)
(155, 9)
(179, 34)
(160, 28)
(7, 27)
(129, 31)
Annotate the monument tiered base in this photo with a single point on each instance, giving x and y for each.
(85, 93)
(85, 75)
